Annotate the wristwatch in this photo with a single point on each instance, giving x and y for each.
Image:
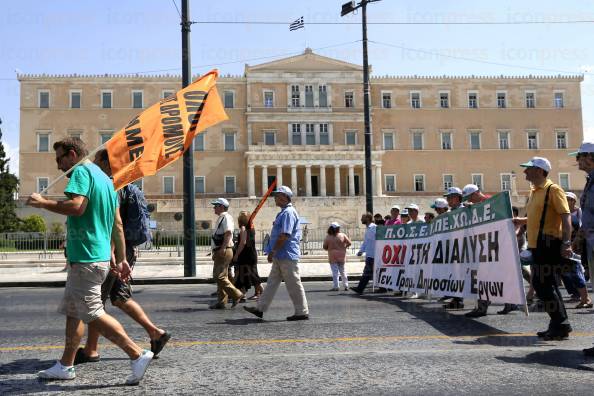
(566, 243)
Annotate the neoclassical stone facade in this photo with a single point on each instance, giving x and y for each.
(300, 119)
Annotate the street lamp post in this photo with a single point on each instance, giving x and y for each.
(347, 8)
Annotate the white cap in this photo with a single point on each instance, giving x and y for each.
(413, 206)
(395, 207)
(453, 191)
(469, 189)
(571, 195)
(404, 212)
(284, 190)
(220, 201)
(440, 203)
(538, 162)
(334, 225)
(586, 147)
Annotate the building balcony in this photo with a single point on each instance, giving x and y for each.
(261, 147)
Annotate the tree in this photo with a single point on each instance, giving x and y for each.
(9, 183)
(33, 223)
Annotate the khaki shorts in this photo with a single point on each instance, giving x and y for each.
(82, 294)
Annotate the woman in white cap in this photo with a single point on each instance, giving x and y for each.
(336, 243)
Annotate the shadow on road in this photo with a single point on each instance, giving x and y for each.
(183, 310)
(35, 385)
(564, 358)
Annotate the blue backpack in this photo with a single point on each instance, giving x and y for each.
(135, 215)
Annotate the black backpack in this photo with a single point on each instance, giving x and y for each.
(135, 215)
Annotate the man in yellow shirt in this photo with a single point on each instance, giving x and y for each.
(549, 238)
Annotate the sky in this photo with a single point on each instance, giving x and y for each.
(134, 36)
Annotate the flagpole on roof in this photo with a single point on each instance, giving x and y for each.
(188, 160)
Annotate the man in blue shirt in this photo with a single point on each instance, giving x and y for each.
(367, 247)
(283, 252)
(585, 160)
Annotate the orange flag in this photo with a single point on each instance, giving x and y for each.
(163, 132)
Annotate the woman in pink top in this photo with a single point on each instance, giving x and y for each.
(336, 243)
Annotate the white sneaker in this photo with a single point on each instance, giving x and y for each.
(139, 367)
(413, 296)
(58, 371)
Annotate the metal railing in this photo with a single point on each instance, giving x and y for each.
(170, 243)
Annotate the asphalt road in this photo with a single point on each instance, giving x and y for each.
(375, 344)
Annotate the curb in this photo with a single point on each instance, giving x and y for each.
(161, 281)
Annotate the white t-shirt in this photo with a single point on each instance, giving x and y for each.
(223, 224)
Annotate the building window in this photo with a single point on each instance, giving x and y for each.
(564, 181)
(419, 181)
(75, 134)
(296, 134)
(349, 100)
(446, 140)
(473, 101)
(43, 99)
(168, 184)
(229, 99)
(268, 99)
(324, 134)
(75, 99)
(309, 96)
(506, 182)
(139, 183)
(415, 100)
(137, 100)
(444, 100)
(42, 183)
(167, 93)
(106, 99)
(310, 134)
(475, 140)
(229, 141)
(323, 96)
(417, 140)
(104, 137)
(387, 100)
(477, 180)
(295, 99)
(351, 138)
(532, 140)
(501, 102)
(559, 102)
(503, 140)
(530, 100)
(269, 138)
(199, 184)
(390, 183)
(43, 142)
(388, 141)
(230, 184)
(561, 140)
(448, 181)
(199, 142)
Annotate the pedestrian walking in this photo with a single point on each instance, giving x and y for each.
(549, 239)
(585, 161)
(93, 223)
(453, 196)
(222, 254)
(117, 290)
(394, 215)
(367, 247)
(283, 252)
(245, 258)
(336, 243)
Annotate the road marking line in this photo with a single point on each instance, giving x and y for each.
(304, 340)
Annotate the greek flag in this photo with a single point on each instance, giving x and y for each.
(298, 24)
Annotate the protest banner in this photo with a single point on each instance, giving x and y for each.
(470, 252)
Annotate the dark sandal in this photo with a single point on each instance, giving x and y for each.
(81, 357)
(158, 345)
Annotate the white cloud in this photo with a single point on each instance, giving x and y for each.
(13, 154)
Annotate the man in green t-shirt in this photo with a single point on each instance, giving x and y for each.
(93, 223)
